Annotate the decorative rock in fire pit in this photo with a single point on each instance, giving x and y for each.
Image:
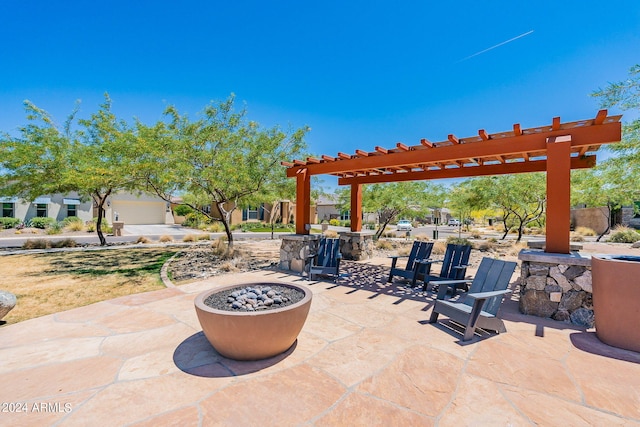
(253, 321)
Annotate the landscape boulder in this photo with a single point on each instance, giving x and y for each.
(7, 302)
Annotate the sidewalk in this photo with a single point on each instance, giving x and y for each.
(363, 358)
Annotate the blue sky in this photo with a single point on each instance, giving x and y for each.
(360, 73)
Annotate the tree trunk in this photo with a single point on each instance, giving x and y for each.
(225, 218)
(608, 222)
(100, 202)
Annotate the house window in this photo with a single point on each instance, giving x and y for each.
(253, 213)
(41, 210)
(7, 210)
(72, 210)
(345, 215)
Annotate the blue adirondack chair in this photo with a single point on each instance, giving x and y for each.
(454, 266)
(479, 307)
(326, 261)
(419, 251)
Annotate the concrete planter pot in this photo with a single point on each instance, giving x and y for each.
(243, 335)
(616, 300)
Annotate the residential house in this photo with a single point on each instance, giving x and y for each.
(57, 206)
(126, 207)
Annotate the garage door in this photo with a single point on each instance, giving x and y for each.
(139, 212)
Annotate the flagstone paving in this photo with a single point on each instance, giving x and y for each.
(366, 356)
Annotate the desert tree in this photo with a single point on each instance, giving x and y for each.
(89, 156)
(221, 160)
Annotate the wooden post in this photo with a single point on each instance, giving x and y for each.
(303, 201)
(558, 194)
(356, 207)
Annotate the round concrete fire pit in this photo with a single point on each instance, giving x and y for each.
(252, 335)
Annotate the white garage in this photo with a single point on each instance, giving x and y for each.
(137, 209)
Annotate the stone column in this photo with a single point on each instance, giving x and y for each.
(294, 250)
(356, 246)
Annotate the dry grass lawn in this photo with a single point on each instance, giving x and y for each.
(52, 282)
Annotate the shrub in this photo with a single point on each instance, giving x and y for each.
(422, 237)
(216, 227)
(203, 236)
(585, 231)
(189, 238)
(475, 234)
(73, 223)
(330, 234)
(36, 244)
(439, 248)
(384, 245)
(7, 222)
(221, 248)
(70, 219)
(56, 228)
(64, 243)
(165, 239)
(458, 241)
(91, 226)
(182, 210)
(143, 240)
(624, 235)
(516, 247)
(486, 246)
(41, 222)
(575, 237)
(195, 220)
(334, 222)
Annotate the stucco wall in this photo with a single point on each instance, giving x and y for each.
(594, 218)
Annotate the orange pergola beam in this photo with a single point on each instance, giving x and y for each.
(511, 145)
(584, 162)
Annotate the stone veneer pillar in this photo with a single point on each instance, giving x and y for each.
(294, 250)
(557, 286)
(356, 245)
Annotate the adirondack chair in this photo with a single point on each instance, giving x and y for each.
(454, 266)
(478, 307)
(419, 251)
(327, 260)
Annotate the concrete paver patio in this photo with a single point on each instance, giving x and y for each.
(366, 356)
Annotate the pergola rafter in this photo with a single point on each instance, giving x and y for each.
(515, 151)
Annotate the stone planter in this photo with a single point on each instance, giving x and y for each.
(252, 335)
(616, 300)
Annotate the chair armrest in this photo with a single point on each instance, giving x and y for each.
(460, 267)
(450, 282)
(425, 261)
(487, 295)
(398, 256)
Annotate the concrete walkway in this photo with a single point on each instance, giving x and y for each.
(366, 356)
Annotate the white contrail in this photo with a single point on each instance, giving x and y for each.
(498, 45)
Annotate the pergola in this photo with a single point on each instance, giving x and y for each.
(555, 148)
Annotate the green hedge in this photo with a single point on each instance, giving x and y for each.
(8, 222)
(42, 222)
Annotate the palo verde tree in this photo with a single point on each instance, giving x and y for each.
(91, 157)
(395, 200)
(520, 198)
(222, 160)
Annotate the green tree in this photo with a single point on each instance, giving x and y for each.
(91, 157)
(616, 180)
(394, 200)
(519, 197)
(222, 160)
